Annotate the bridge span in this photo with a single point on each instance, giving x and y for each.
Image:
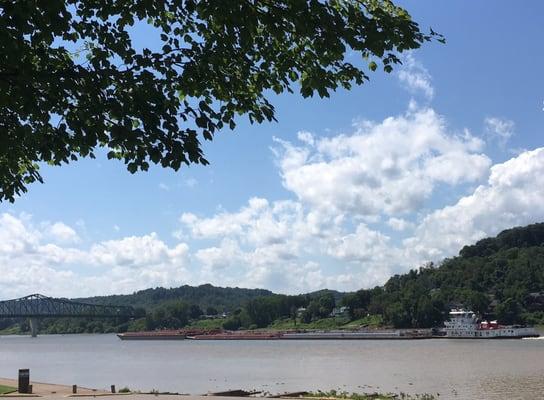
(38, 306)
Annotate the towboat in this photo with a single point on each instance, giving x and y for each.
(464, 324)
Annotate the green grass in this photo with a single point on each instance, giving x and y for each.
(325, 323)
(372, 321)
(12, 330)
(206, 324)
(7, 389)
(333, 394)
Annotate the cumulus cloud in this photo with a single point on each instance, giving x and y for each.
(511, 197)
(39, 257)
(136, 252)
(390, 167)
(399, 224)
(288, 246)
(415, 77)
(63, 233)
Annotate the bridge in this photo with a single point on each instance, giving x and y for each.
(38, 306)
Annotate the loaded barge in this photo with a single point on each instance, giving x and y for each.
(173, 334)
(269, 335)
(461, 325)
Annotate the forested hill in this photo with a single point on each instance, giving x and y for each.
(204, 296)
(500, 277)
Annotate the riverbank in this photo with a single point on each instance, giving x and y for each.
(40, 389)
(51, 391)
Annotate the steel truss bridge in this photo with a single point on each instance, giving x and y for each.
(38, 306)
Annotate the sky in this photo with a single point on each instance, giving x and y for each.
(340, 193)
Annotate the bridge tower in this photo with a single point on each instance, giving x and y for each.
(34, 326)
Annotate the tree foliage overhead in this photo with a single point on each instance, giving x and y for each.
(73, 79)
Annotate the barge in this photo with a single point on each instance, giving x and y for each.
(461, 325)
(277, 335)
(176, 334)
(238, 336)
(359, 335)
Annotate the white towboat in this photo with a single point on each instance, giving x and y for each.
(463, 324)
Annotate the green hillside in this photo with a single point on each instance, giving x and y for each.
(204, 296)
(501, 277)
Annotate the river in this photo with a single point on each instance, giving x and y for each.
(456, 369)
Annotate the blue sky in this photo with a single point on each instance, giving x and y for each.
(340, 193)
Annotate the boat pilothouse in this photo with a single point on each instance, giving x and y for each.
(464, 324)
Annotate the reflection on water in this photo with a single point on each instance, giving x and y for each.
(457, 369)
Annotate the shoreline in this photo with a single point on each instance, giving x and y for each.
(54, 391)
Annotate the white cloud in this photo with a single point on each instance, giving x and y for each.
(499, 129)
(399, 224)
(362, 245)
(287, 246)
(306, 137)
(135, 251)
(212, 259)
(38, 258)
(512, 197)
(15, 237)
(63, 233)
(190, 182)
(415, 77)
(164, 186)
(389, 168)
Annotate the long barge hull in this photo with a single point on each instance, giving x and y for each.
(276, 336)
(151, 337)
(304, 336)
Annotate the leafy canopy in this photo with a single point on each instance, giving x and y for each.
(73, 79)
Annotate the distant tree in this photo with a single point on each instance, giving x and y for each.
(326, 305)
(428, 314)
(73, 79)
(211, 311)
(195, 311)
(232, 323)
(509, 312)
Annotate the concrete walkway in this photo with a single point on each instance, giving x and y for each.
(49, 389)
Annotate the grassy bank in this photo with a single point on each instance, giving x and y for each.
(372, 321)
(333, 394)
(7, 389)
(206, 324)
(12, 330)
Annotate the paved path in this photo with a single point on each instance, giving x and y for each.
(49, 389)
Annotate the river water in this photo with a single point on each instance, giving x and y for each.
(456, 369)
